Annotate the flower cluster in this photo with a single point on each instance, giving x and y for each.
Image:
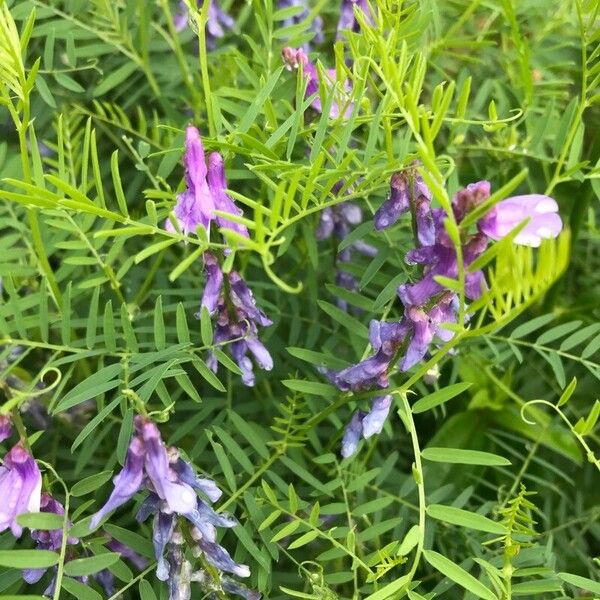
(428, 306)
(172, 485)
(229, 299)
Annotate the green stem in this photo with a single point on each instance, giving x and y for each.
(418, 470)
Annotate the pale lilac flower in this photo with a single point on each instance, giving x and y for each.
(348, 20)
(369, 373)
(352, 434)
(365, 424)
(214, 283)
(5, 427)
(20, 488)
(541, 211)
(341, 105)
(374, 420)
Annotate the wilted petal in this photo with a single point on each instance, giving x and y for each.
(374, 420)
(127, 482)
(469, 198)
(162, 530)
(243, 299)
(352, 434)
(217, 556)
(233, 587)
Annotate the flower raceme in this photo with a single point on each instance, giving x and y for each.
(237, 319)
(205, 192)
(428, 306)
(172, 485)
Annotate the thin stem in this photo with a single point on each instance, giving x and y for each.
(418, 471)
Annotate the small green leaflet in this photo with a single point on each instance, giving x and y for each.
(464, 457)
(439, 397)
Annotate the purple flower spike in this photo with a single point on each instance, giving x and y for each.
(127, 482)
(196, 204)
(20, 488)
(375, 419)
(179, 496)
(348, 20)
(214, 283)
(352, 434)
(5, 427)
(542, 212)
(217, 184)
(397, 204)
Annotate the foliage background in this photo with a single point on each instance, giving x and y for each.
(101, 299)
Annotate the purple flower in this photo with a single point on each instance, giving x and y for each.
(316, 26)
(214, 283)
(348, 20)
(20, 488)
(195, 205)
(217, 184)
(5, 427)
(127, 482)
(375, 419)
(352, 434)
(541, 211)
(397, 203)
(469, 198)
(237, 321)
(47, 539)
(369, 373)
(365, 424)
(341, 105)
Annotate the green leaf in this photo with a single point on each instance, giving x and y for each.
(96, 384)
(464, 518)
(390, 589)
(146, 591)
(254, 109)
(308, 537)
(439, 397)
(80, 567)
(464, 457)
(90, 484)
(115, 78)
(40, 520)
(79, 590)
(28, 559)
(581, 582)
(458, 575)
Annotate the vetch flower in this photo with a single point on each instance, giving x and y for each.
(348, 20)
(341, 104)
(20, 488)
(195, 205)
(541, 211)
(237, 320)
(365, 424)
(217, 22)
(5, 427)
(206, 191)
